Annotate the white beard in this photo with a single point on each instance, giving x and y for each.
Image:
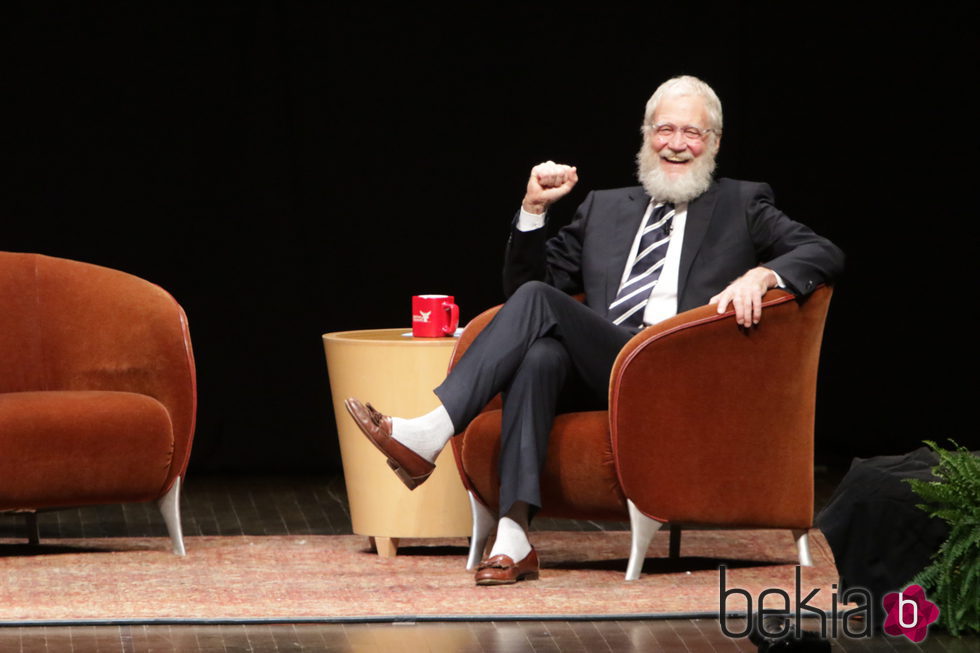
(676, 190)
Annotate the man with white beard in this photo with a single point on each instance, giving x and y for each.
(640, 254)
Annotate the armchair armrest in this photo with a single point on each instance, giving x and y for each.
(470, 332)
(105, 329)
(713, 423)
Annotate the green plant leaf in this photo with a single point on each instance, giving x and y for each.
(953, 576)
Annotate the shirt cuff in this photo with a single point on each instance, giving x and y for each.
(779, 280)
(531, 221)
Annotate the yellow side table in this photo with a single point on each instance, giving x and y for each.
(396, 373)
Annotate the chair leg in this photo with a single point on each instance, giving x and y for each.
(803, 546)
(675, 541)
(483, 524)
(169, 505)
(33, 531)
(642, 529)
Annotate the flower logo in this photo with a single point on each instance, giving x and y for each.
(909, 613)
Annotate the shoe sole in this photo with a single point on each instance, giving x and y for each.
(530, 575)
(411, 482)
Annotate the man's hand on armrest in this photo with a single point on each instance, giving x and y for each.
(745, 295)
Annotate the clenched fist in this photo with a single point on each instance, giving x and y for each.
(548, 183)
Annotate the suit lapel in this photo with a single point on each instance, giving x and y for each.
(699, 212)
(623, 233)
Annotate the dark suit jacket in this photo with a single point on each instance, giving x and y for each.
(730, 229)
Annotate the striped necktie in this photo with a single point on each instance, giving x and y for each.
(627, 309)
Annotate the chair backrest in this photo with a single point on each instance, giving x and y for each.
(712, 423)
(68, 325)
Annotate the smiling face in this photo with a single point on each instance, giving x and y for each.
(677, 153)
(677, 168)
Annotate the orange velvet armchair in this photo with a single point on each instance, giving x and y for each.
(709, 424)
(97, 389)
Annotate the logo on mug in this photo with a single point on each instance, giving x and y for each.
(434, 316)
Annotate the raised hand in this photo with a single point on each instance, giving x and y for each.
(549, 182)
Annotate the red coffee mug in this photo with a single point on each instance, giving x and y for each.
(434, 316)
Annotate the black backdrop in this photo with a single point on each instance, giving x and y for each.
(288, 169)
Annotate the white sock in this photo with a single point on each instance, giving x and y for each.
(425, 435)
(512, 534)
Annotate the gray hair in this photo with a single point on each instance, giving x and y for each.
(687, 85)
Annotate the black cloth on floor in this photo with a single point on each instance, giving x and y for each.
(880, 539)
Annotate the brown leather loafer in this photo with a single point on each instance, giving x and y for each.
(502, 570)
(410, 467)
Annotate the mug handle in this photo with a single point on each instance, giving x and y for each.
(453, 318)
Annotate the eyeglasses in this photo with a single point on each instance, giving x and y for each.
(665, 131)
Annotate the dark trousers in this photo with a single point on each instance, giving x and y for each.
(546, 352)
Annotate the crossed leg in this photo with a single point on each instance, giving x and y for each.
(541, 347)
(539, 343)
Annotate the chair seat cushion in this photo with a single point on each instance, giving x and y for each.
(70, 448)
(579, 477)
